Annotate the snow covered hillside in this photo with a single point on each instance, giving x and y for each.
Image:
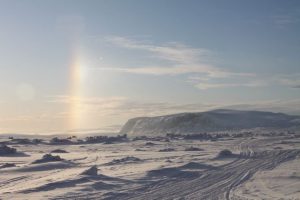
(216, 120)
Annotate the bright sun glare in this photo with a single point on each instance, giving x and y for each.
(76, 89)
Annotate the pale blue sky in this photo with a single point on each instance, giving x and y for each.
(141, 57)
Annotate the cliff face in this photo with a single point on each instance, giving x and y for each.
(216, 120)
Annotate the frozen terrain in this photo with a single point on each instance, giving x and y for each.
(263, 165)
(243, 155)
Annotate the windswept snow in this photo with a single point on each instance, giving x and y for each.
(264, 166)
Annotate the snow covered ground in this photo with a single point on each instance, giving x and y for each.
(261, 167)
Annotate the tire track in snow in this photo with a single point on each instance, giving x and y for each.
(218, 184)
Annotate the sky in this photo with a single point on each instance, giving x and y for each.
(76, 66)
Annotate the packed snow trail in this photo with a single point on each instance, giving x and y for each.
(217, 184)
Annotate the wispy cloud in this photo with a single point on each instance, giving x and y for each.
(183, 60)
(276, 105)
(161, 108)
(111, 106)
(173, 51)
(285, 19)
(107, 102)
(272, 80)
(196, 64)
(128, 108)
(175, 70)
(204, 83)
(290, 80)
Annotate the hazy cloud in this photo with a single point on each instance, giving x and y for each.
(103, 102)
(173, 51)
(286, 80)
(196, 65)
(285, 19)
(119, 109)
(203, 83)
(120, 105)
(290, 80)
(284, 106)
(184, 60)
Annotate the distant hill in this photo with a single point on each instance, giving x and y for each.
(215, 120)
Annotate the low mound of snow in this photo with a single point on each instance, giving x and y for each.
(6, 165)
(193, 149)
(59, 151)
(48, 158)
(194, 165)
(92, 171)
(6, 150)
(149, 144)
(128, 159)
(171, 172)
(167, 150)
(46, 166)
(225, 153)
